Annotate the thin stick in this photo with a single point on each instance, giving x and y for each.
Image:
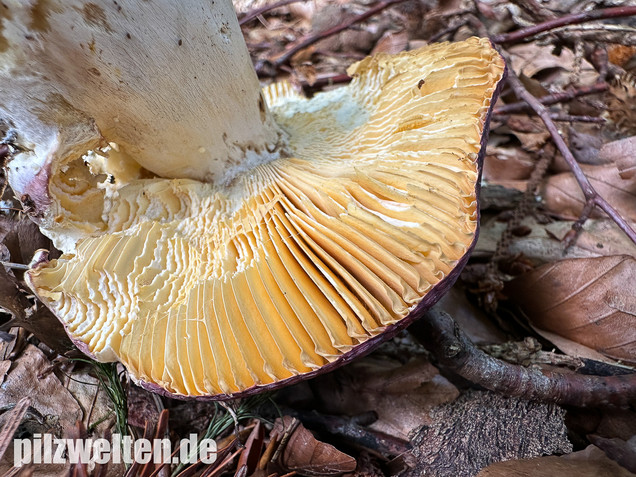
(573, 19)
(590, 194)
(249, 16)
(567, 118)
(454, 350)
(295, 48)
(553, 98)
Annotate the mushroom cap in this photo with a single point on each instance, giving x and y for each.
(294, 265)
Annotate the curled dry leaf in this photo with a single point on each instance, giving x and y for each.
(563, 196)
(306, 455)
(590, 301)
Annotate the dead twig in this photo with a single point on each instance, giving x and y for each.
(573, 19)
(454, 350)
(249, 16)
(310, 40)
(590, 194)
(553, 98)
(567, 118)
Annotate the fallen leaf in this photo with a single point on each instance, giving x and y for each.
(473, 321)
(622, 151)
(563, 197)
(308, 456)
(41, 322)
(590, 462)
(391, 42)
(589, 300)
(22, 238)
(623, 452)
(51, 399)
(530, 131)
(572, 348)
(401, 395)
(541, 62)
(11, 298)
(544, 243)
(507, 163)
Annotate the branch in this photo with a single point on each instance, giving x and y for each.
(453, 349)
(573, 19)
(590, 194)
(249, 16)
(308, 41)
(567, 118)
(551, 99)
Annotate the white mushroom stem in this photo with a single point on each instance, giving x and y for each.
(170, 82)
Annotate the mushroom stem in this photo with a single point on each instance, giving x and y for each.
(171, 83)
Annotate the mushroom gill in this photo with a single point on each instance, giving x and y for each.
(292, 266)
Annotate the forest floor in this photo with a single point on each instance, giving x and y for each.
(550, 286)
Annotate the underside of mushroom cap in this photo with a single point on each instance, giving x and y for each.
(293, 266)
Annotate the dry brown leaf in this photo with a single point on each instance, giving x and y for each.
(619, 151)
(473, 321)
(530, 131)
(563, 197)
(505, 163)
(623, 452)
(23, 237)
(308, 456)
(533, 60)
(590, 300)
(11, 298)
(572, 348)
(590, 462)
(544, 243)
(401, 395)
(391, 42)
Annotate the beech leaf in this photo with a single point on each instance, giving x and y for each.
(308, 456)
(563, 195)
(588, 300)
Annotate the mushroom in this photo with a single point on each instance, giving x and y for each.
(218, 239)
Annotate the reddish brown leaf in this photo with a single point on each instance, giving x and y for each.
(391, 42)
(504, 163)
(563, 195)
(308, 456)
(589, 300)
